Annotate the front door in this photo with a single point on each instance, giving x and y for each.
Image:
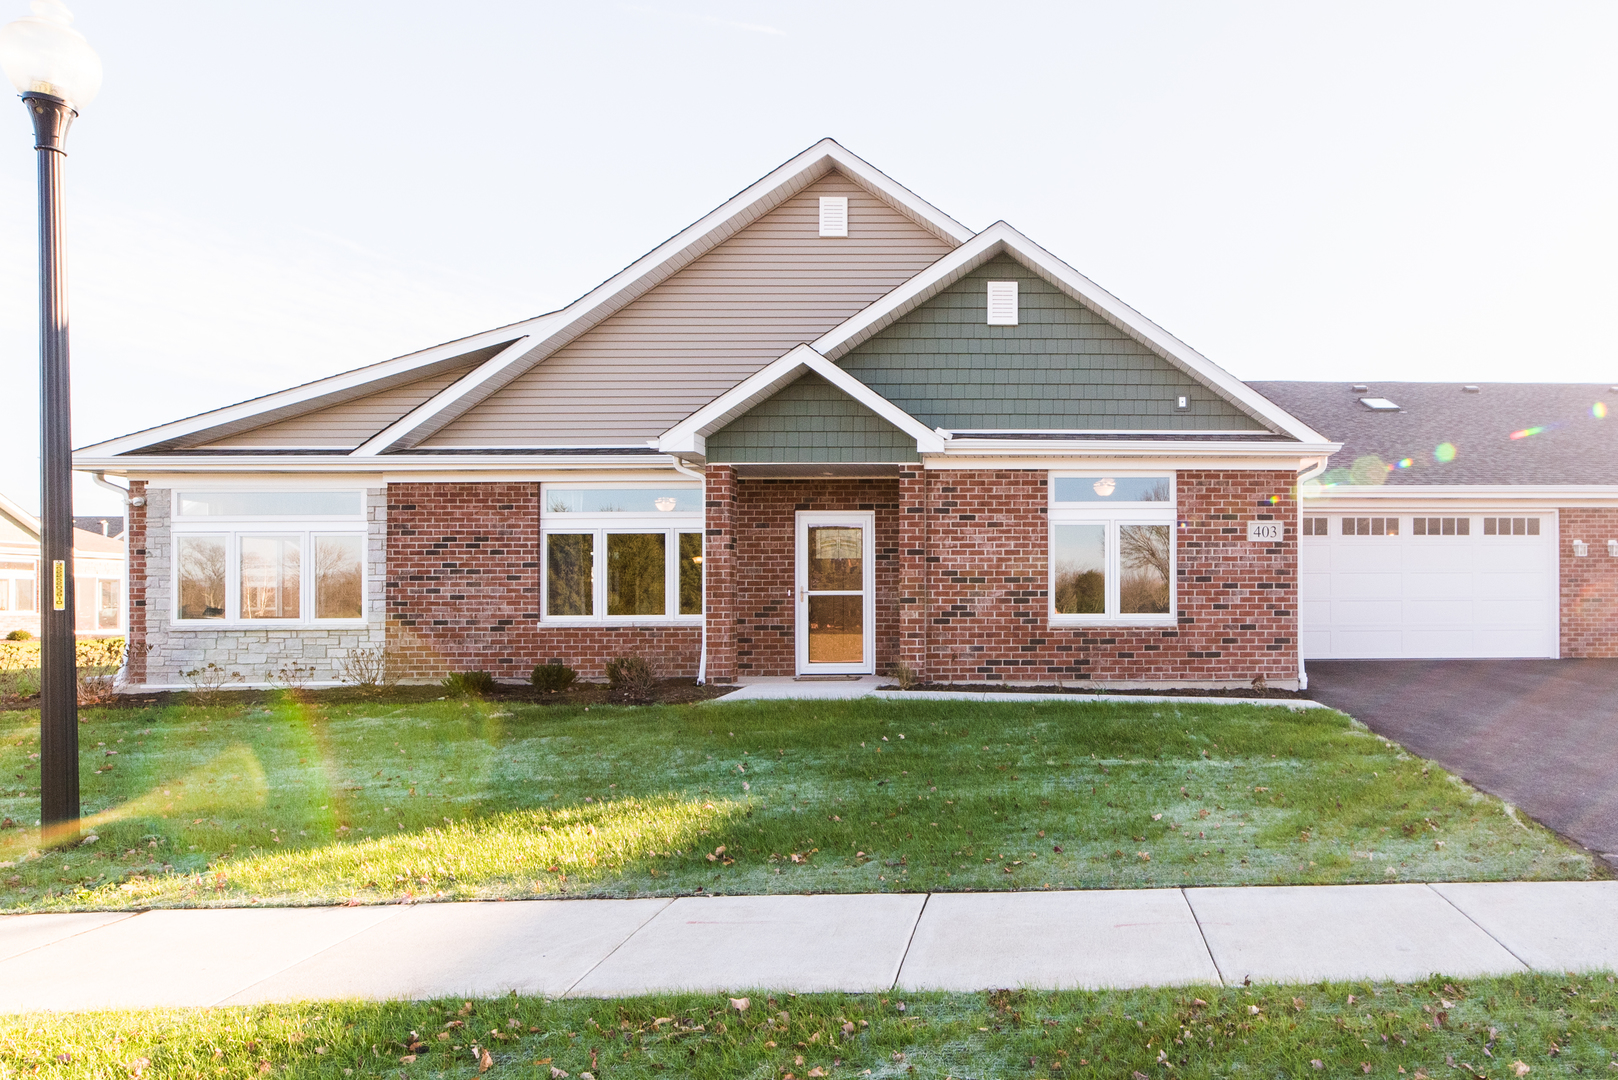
(835, 594)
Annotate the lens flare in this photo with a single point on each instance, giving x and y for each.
(1599, 410)
(1444, 453)
(1274, 500)
(1525, 432)
(1405, 463)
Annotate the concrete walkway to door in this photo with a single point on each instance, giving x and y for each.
(1541, 734)
(854, 943)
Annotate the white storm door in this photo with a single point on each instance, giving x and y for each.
(836, 594)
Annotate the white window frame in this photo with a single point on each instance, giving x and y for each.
(1113, 516)
(7, 577)
(601, 525)
(306, 529)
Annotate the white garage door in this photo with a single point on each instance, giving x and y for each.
(1428, 584)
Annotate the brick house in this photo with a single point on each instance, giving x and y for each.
(828, 429)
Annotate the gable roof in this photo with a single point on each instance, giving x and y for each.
(1505, 434)
(1001, 239)
(520, 346)
(689, 437)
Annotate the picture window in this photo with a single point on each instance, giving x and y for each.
(1112, 549)
(621, 554)
(289, 557)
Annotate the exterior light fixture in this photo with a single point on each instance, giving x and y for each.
(57, 74)
(1612, 548)
(664, 503)
(1105, 486)
(1580, 548)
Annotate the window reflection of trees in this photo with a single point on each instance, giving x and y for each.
(1143, 552)
(339, 577)
(202, 577)
(635, 567)
(569, 574)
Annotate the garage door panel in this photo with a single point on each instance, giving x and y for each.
(1366, 586)
(1437, 586)
(1429, 643)
(1429, 596)
(1359, 613)
(1365, 644)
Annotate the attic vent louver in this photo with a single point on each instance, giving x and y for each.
(1469, 388)
(834, 215)
(1002, 303)
(1380, 404)
(1359, 388)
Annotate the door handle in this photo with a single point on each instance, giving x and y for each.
(802, 593)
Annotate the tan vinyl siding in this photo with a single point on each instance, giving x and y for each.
(772, 286)
(810, 420)
(346, 425)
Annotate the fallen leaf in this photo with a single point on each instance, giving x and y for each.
(1352, 999)
(1317, 1063)
(740, 1004)
(1519, 1068)
(849, 1029)
(557, 1074)
(408, 1059)
(1252, 1010)
(1199, 1002)
(816, 1071)
(1365, 1066)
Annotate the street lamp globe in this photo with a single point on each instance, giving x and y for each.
(42, 54)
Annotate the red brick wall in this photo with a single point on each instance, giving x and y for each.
(719, 573)
(463, 590)
(987, 586)
(765, 550)
(135, 526)
(1589, 585)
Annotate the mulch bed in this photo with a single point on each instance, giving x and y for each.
(1096, 691)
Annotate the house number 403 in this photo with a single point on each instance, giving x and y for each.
(1264, 530)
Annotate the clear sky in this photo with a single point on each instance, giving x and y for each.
(264, 194)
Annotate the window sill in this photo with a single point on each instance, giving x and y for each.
(269, 624)
(694, 621)
(1121, 622)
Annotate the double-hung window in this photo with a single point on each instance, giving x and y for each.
(269, 557)
(1111, 549)
(17, 584)
(621, 554)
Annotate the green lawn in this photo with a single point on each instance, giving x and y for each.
(1528, 1025)
(303, 803)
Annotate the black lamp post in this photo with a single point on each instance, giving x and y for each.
(57, 73)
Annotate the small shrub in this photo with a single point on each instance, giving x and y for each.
(294, 677)
(553, 677)
(632, 679)
(209, 682)
(372, 668)
(19, 635)
(904, 675)
(469, 683)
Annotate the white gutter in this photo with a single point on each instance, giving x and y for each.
(384, 463)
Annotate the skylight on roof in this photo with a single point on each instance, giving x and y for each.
(1381, 404)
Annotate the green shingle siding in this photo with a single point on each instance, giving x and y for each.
(1062, 367)
(810, 420)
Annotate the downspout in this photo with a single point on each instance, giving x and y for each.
(1308, 474)
(702, 655)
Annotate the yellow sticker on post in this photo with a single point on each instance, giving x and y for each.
(59, 585)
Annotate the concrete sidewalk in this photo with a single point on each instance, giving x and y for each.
(942, 941)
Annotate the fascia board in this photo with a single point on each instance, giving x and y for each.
(928, 440)
(1022, 448)
(343, 463)
(1543, 493)
(310, 394)
(428, 417)
(1001, 238)
(27, 521)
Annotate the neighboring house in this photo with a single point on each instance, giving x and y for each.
(825, 430)
(98, 577)
(100, 523)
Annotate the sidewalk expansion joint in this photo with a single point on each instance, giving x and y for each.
(570, 987)
(1203, 934)
(910, 941)
(1526, 965)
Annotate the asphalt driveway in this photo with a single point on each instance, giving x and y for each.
(1541, 734)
